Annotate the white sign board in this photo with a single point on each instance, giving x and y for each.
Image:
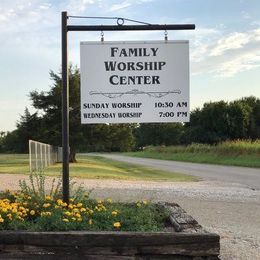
(134, 82)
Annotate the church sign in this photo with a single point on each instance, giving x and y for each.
(134, 82)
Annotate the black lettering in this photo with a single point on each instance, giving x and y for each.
(113, 80)
(113, 51)
(121, 66)
(110, 65)
(133, 51)
(154, 50)
(155, 80)
(161, 64)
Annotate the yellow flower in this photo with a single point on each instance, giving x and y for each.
(79, 219)
(64, 204)
(117, 224)
(90, 222)
(1, 220)
(46, 213)
(114, 213)
(83, 210)
(73, 218)
(77, 215)
(79, 205)
(71, 200)
(48, 198)
(138, 204)
(65, 220)
(67, 213)
(20, 218)
(71, 206)
(32, 212)
(145, 202)
(109, 200)
(59, 202)
(46, 205)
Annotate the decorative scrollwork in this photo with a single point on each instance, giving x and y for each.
(135, 92)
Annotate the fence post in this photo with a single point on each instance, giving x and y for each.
(30, 155)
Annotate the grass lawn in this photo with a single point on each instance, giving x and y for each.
(235, 160)
(94, 168)
(237, 153)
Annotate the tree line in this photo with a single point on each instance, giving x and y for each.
(213, 123)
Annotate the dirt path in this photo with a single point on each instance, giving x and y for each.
(231, 210)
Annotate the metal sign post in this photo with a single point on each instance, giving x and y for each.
(65, 84)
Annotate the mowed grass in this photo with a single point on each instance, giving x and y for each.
(14, 163)
(237, 153)
(93, 167)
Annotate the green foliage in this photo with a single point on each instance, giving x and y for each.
(239, 153)
(221, 121)
(37, 186)
(18, 211)
(227, 147)
(159, 134)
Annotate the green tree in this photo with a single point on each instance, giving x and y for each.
(253, 104)
(28, 127)
(159, 134)
(219, 121)
(82, 137)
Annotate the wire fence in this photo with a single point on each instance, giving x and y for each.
(42, 155)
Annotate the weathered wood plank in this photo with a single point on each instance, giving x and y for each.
(81, 238)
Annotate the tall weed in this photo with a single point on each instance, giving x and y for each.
(237, 147)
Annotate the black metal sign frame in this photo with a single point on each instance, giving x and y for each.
(65, 28)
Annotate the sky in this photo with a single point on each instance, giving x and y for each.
(224, 48)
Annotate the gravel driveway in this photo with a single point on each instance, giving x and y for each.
(231, 210)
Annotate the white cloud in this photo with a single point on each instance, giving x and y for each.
(7, 15)
(241, 63)
(45, 6)
(234, 41)
(120, 6)
(226, 55)
(79, 6)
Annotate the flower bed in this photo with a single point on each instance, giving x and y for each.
(19, 211)
(35, 225)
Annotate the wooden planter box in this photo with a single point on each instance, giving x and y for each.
(183, 239)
